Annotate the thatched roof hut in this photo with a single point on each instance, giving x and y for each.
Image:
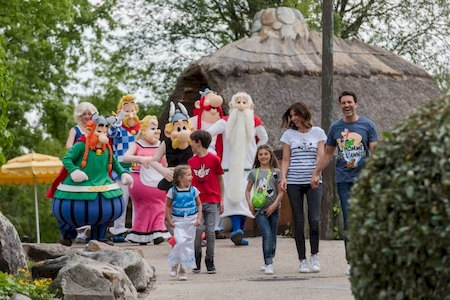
(281, 63)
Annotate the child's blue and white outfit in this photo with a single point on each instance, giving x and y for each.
(184, 215)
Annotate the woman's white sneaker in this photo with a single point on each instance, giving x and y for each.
(304, 266)
(315, 264)
(269, 269)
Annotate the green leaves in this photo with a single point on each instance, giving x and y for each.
(400, 217)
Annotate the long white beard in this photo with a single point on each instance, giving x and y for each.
(239, 132)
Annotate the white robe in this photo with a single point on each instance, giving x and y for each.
(240, 208)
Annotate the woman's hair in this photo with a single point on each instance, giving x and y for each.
(81, 108)
(273, 163)
(301, 110)
(179, 172)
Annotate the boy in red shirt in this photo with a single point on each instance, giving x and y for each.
(207, 178)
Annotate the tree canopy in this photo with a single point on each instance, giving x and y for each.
(161, 37)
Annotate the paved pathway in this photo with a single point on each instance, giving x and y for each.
(239, 276)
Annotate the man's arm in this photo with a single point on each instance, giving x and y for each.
(372, 146)
(322, 163)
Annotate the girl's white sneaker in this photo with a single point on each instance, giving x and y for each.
(304, 266)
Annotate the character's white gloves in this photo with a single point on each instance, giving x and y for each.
(78, 176)
(119, 119)
(127, 179)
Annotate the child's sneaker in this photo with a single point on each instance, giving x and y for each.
(210, 268)
(304, 266)
(173, 271)
(182, 275)
(269, 269)
(263, 267)
(315, 265)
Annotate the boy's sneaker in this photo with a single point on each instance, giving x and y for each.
(263, 267)
(173, 271)
(304, 266)
(269, 269)
(315, 265)
(347, 272)
(198, 261)
(210, 268)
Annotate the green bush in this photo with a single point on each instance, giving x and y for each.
(23, 283)
(399, 224)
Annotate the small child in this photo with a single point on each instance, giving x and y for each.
(207, 172)
(183, 214)
(265, 177)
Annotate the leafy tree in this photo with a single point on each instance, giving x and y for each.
(5, 95)
(161, 37)
(45, 45)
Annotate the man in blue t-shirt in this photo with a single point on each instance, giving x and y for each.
(355, 137)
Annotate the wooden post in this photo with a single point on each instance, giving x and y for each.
(329, 186)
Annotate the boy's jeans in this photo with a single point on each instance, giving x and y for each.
(269, 228)
(208, 225)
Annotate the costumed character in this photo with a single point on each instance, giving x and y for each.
(82, 114)
(177, 146)
(241, 130)
(122, 133)
(207, 111)
(88, 195)
(149, 202)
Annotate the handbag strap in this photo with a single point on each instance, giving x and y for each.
(256, 180)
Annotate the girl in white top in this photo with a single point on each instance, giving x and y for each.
(303, 145)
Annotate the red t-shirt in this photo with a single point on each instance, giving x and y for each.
(205, 173)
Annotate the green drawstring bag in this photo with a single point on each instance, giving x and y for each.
(259, 198)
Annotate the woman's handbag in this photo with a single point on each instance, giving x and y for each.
(259, 198)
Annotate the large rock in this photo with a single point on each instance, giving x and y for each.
(138, 270)
(12, 256)
(87, 279)
(39, 252)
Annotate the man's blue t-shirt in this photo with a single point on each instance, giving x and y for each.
(352, 141)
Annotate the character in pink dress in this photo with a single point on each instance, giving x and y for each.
(149, 202)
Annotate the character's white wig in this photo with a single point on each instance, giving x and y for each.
(241, 94)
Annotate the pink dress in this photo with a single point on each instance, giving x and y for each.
(149, 202)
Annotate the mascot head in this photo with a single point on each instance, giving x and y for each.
(179, 127)
(130, 108)
(208, 108)
(149, 130)
(97, 139)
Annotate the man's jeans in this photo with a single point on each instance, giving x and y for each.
(296, 193)
(343, 190)
(208, 225)
(269, 228)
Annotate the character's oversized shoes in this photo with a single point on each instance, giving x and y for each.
(65, 241)
(237, 236)
(119, 238)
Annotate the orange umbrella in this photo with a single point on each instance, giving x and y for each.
(31, 169)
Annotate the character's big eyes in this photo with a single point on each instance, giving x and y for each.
(184, 128)
(179, 129)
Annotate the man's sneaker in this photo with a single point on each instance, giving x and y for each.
(315, 265)
(210, 268)
(269, 269)
(304, 266)
(182, 275)
(173, 271)
(347, 272)
(198, 261)
(263, 267)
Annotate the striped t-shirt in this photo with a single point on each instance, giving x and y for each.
(303, 153)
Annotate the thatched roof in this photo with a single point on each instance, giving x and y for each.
(281, 63)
